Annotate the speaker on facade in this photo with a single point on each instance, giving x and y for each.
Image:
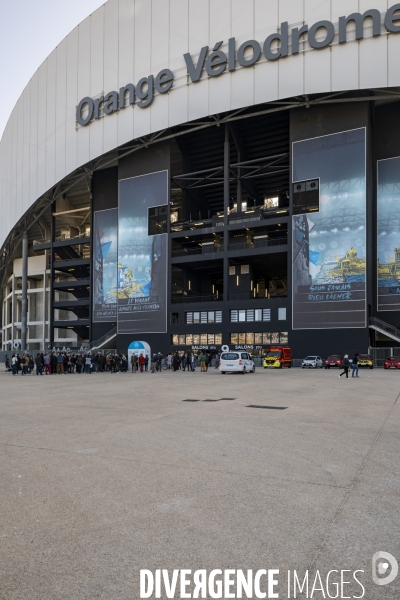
(312, 186)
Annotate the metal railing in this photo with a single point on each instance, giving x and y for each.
(385, 327)
(259, 244)
(194, 251)
(194, 299)
(107, 336)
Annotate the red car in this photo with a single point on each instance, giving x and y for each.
(334, 360)
(392, 362)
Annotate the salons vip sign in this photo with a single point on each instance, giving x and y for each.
(329, 245)
(142, 255)
(389, 234)
(105, 258)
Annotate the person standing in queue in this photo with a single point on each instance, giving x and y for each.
(141, 363)
(346, 365)
(176, 361)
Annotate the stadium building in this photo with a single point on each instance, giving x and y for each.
(192, 173)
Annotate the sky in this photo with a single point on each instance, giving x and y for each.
(29, 32)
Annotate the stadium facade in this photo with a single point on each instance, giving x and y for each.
(192, 173)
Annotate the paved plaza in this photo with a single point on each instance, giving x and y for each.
(107, 474)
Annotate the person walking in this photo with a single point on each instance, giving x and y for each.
(346, 365)
(134, 363)
(354, 365)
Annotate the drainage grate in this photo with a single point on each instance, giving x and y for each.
(268, 407)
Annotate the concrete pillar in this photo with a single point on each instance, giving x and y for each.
(24, 307)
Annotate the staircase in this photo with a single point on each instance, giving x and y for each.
(106, 341)
(382, 327)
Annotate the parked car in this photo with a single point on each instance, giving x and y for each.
(365, 360)
(236, 362)
(278, 357)
(312, 362)
(392, 362)
(334, 360)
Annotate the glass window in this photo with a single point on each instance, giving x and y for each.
(242, 316)
(211, 338)
(234, 338)
(196, 317)
(282, 314)
(232, 270)
(266, 314)
(234, 316)
(275, 337)
(174, 318)
(203, 338)
(258, 314)
(249, 338)
(189, 318)
(258, 338)
(182, 340)
(189, 339)
(242, 338)
(250, 315)
(196, 339)
(218, 338)
(175, 340)
(284, 337)
(204, 317)
(266, 338)
(218, 316)
(211, 316)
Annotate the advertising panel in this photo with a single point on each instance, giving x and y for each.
(389, 234)
(329, 244)
(142, 254)
(105, 257)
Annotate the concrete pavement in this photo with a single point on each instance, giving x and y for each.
(107, 474)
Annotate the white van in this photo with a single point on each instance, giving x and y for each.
(236, 362)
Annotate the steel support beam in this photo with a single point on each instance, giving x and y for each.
(24, 307)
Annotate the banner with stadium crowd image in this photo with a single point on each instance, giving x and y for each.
(389, 234)
(105, 260)
(329, 245)
(130, 257)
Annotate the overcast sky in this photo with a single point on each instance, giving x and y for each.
(29, 31)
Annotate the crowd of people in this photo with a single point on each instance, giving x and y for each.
(63, 363)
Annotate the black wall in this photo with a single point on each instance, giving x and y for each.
(386, 128)
(316, 121)
(104, 197)
(150, 160)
